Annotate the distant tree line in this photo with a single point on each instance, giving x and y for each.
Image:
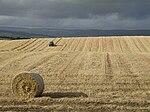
(12, 38)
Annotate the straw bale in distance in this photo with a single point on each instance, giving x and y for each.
(27, 85)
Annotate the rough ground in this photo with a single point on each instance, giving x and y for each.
(80, 74)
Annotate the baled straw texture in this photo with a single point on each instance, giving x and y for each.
(28, 85)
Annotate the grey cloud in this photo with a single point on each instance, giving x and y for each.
(76, 13)
(97, 22)
(75, 8)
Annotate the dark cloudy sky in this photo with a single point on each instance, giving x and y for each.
(97, 14)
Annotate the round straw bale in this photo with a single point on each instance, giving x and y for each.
(27, 85)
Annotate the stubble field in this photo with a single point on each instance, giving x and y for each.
(80, 74)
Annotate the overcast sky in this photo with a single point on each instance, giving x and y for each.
(95, 14)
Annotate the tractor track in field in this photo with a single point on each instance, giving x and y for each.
(53, 65)
(108, 68)
(148, 41)
(136, 44)
(89, 45)
(64, 46)
(112, 44)
(127, 45)
(59, 39)
(32, 46)
(129, 74)
(104, 45)
(40, 62)
(67, 70)
(142, 60)
(74, 45)
(77, 46)
(41, 43)
(108, 64)
(124, 64)
(119, 41)
(116, 45)
(132, 46)
(98, 45)
(25, 45)
(70, 44)
(45, 44)
(142, 45)
(93, 44)
(13, 62)
(84, 45)
(22, 44)
(109, 45)
(64, 67)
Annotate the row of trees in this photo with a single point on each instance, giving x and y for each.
(12, 38)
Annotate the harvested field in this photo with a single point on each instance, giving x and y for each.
(80, 74)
